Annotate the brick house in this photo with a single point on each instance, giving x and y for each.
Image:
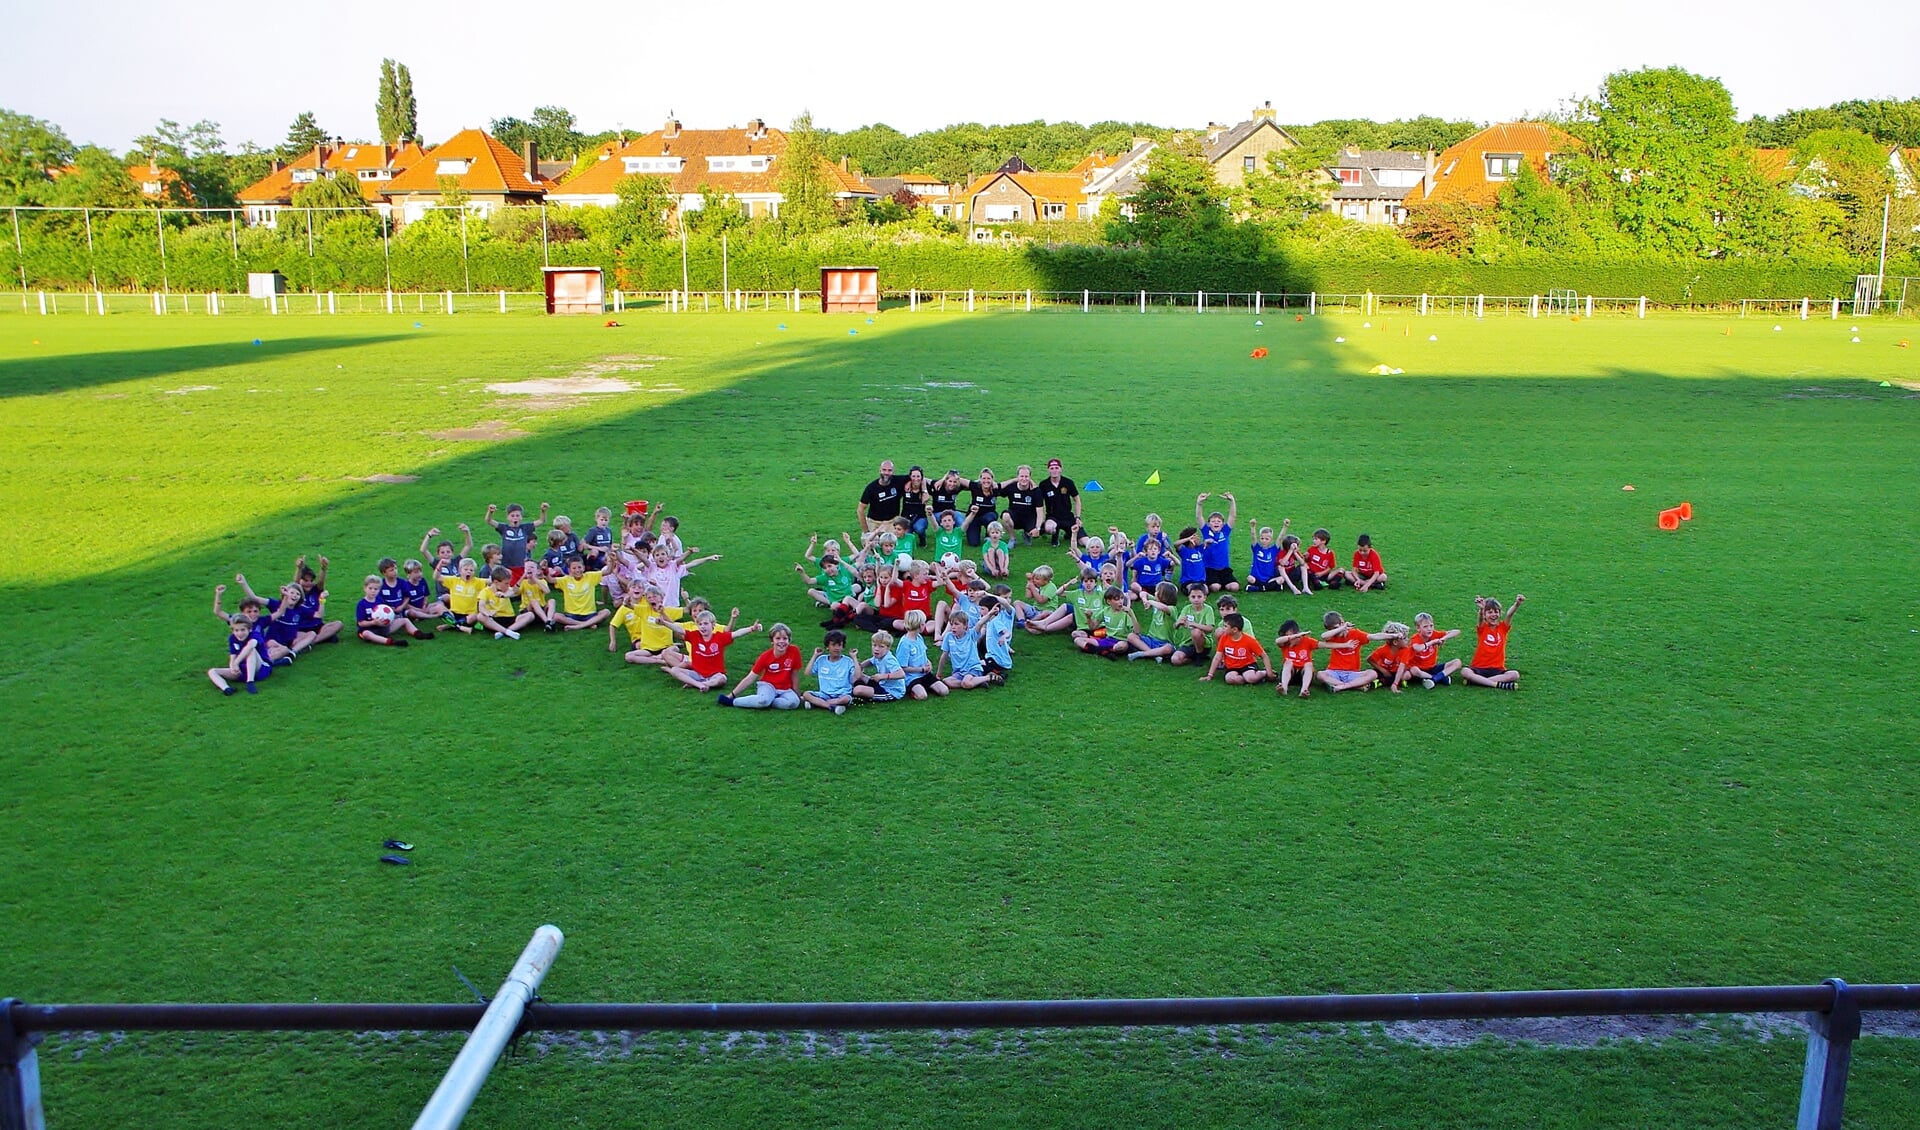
(1370, 185)
(490, 174)
(371, 167)
(1235, 151)
(1474, 169)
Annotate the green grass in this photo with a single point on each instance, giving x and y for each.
(1708, 777)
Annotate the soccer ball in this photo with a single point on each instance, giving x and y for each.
(950, 560)
(383, 614)
(903, 561)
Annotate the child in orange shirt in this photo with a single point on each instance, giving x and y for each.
(1391, 659)
(1425, 663)
(1323, 568)
(1297, 648)
(1246, 661)
(1367, 572)
(1489, 667)
(1343, 641)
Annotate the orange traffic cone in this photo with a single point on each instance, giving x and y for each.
(1686, 511)
(1670, 519)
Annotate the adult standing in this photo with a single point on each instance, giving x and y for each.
(982, 505)
(880, 502)
(1060, 499)
(1023, 503)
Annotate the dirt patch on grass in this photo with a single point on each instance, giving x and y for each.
(397, 479)
(562, 386)
(483, 431)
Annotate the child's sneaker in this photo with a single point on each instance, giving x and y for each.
(725, 700)
(806, 704)
(398, 642)
(1427, 683)
(253, 688)
(552, 627)
(512, 635)
(229, 689)
(284, 661)
(450, 618)
(499, 635)
(841, 709)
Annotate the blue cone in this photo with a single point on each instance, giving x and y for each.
(1093, 484)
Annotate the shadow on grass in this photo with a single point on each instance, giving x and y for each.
(39, 376)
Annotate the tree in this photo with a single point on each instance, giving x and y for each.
(550, 127)
(807, 203)
(1180, 205)
(28, 148)
(197, 153)
(639, 212)
(386, 104)
(406, 111)
(341, 193)
(1846, 173)
(302, 136)
(1538, 214)
(99, 180)
(1293, 186)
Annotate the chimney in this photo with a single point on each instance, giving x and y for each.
(530, 153)
(672, 128)
(1264, 112)
(1426, 178)
(1214, 130)
(756, 128)
(319, 154)
(277, 165)
(843, 164)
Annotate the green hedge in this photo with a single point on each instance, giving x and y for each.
(347, 254)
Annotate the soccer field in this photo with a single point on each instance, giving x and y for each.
(1708, 776)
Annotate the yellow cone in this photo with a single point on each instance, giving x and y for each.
(1153, 480)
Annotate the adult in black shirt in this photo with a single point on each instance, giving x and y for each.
(913, 501)
(1061, 500)
(982, 505)
(945, 491)
(880, 502)
(1023, 503)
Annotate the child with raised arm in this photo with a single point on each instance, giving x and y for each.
(1192, 556)
(948, 538)
(774, 671)
(1154, 639)
(1489, 667)
(706, 664)
(1216, 542)
(1194, 627)
(1263, 575)
(1424, 663)
(996, 638)
(834, 670)
(1293, 565)
(1344, 671)
(579, 604)
(244, 660)
(1323, 570)
(960, 655)
(832, 588)
(285, 614)
(252, 608)
(1296, 656)
(516, 536)
(313, 602)
(889, 680)
(1151, 567)
(1239, 653)
(1367, 572)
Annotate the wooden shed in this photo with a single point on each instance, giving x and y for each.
(849, 290)
(575, 290)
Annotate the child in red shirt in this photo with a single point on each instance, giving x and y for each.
(1391, 659)
(1343, 641)
(706, 665)
(1241, 654)
(775, 671)
(1489, 667)
(1367, 572)
(1424, 659)
(1323, 569)
(1297, 648)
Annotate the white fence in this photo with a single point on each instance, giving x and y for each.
(50, 303)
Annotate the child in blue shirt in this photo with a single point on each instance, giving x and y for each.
(912, 653)
(1264, 574)
(835, 670)
(1216, 541)
(960, 651)
(1193, 558)
(996, 638)
(889, 682)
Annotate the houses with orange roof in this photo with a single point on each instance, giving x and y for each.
(1015, 194)
(487, 173)
(1370, 185)
(1474, 169)
(743, 163)
(372, 167)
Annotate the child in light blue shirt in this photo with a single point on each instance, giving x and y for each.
(996, 636)
(889, 682)
(835, 670)
(960, 651)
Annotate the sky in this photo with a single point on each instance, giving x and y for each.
(107, 70)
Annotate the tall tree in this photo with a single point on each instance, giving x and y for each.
(197, 153)
(406, 109)
(1292, 187)
(331, 193)
(302, 136)
(807, 193)
(28, 148)
(1847, 174)
(1180, 205)
(386, 104)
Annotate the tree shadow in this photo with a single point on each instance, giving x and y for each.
(66, 372)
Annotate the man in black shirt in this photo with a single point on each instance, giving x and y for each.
(1023, 504)
(880, 502)
(1061, 500)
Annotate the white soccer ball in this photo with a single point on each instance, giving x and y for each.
(903, 560)
(950, 560)
(383, 614)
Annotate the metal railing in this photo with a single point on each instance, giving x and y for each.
(1832, 1010)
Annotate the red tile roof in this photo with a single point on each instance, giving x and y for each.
(1777, 165)
(1462, 172)
(491, 168)
(277, 187)
(695, 147)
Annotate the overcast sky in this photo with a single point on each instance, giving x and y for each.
(106, 70)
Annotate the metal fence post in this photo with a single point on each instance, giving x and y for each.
(1830, 1037)
(463, 1080)
(20, 1105)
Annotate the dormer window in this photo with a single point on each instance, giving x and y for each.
(452, 166)
(653, 164)
(305, 176)
(1348, 176)
(1503, 166)
(749, 164)
(373, 174)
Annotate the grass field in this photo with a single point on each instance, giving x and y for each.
(1708, 778)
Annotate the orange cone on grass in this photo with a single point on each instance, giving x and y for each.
(1686, 511)
(1670, 518)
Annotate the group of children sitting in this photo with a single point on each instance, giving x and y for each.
(1144, 598)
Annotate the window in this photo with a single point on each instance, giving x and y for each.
(652, 164)
(1503, 166)
(1053, 211)
(737, 164)
(1349, 176)
(1000, 213)
(1085, 211)
(304, 176)
(373, 174)
(451, 167)
(1248, 164)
